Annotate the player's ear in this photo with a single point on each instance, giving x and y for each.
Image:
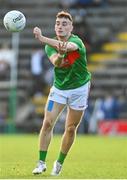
(71, 28)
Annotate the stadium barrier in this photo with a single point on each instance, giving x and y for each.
(112, 127)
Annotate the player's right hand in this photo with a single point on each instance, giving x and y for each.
(37, 32)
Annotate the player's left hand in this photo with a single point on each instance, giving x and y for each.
(62, 49)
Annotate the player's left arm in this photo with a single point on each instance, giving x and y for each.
(56, 57)
(53, 42)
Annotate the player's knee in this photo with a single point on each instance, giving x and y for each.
(47, 126)
(71, 130)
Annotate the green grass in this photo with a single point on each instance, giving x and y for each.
(91, 157)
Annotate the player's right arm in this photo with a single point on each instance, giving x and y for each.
(53, 42)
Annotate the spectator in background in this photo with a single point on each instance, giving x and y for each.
(110, 107)
(6, 57)
(107, 108)
(37, 71)
(123, 106)
(96, 115)
(49, 76)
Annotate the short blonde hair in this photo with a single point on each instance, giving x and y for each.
(64, 14)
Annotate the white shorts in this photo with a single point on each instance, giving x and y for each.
(74, 98)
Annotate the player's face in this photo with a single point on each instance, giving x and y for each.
(63, 27)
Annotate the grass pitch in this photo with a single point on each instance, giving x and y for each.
(91, 157)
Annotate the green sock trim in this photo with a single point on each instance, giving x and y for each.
(42, 155)
(61, 157)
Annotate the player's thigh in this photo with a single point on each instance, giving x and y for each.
(52, 111)
(78, 99)
(73, 117)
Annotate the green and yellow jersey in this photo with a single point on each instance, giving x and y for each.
(73, 71)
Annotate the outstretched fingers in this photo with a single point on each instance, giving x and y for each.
(62, 47)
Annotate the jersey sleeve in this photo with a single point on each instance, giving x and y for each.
(50, 50)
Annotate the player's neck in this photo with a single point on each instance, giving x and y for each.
(63, 38)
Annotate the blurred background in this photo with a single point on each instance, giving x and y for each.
(26, 74)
